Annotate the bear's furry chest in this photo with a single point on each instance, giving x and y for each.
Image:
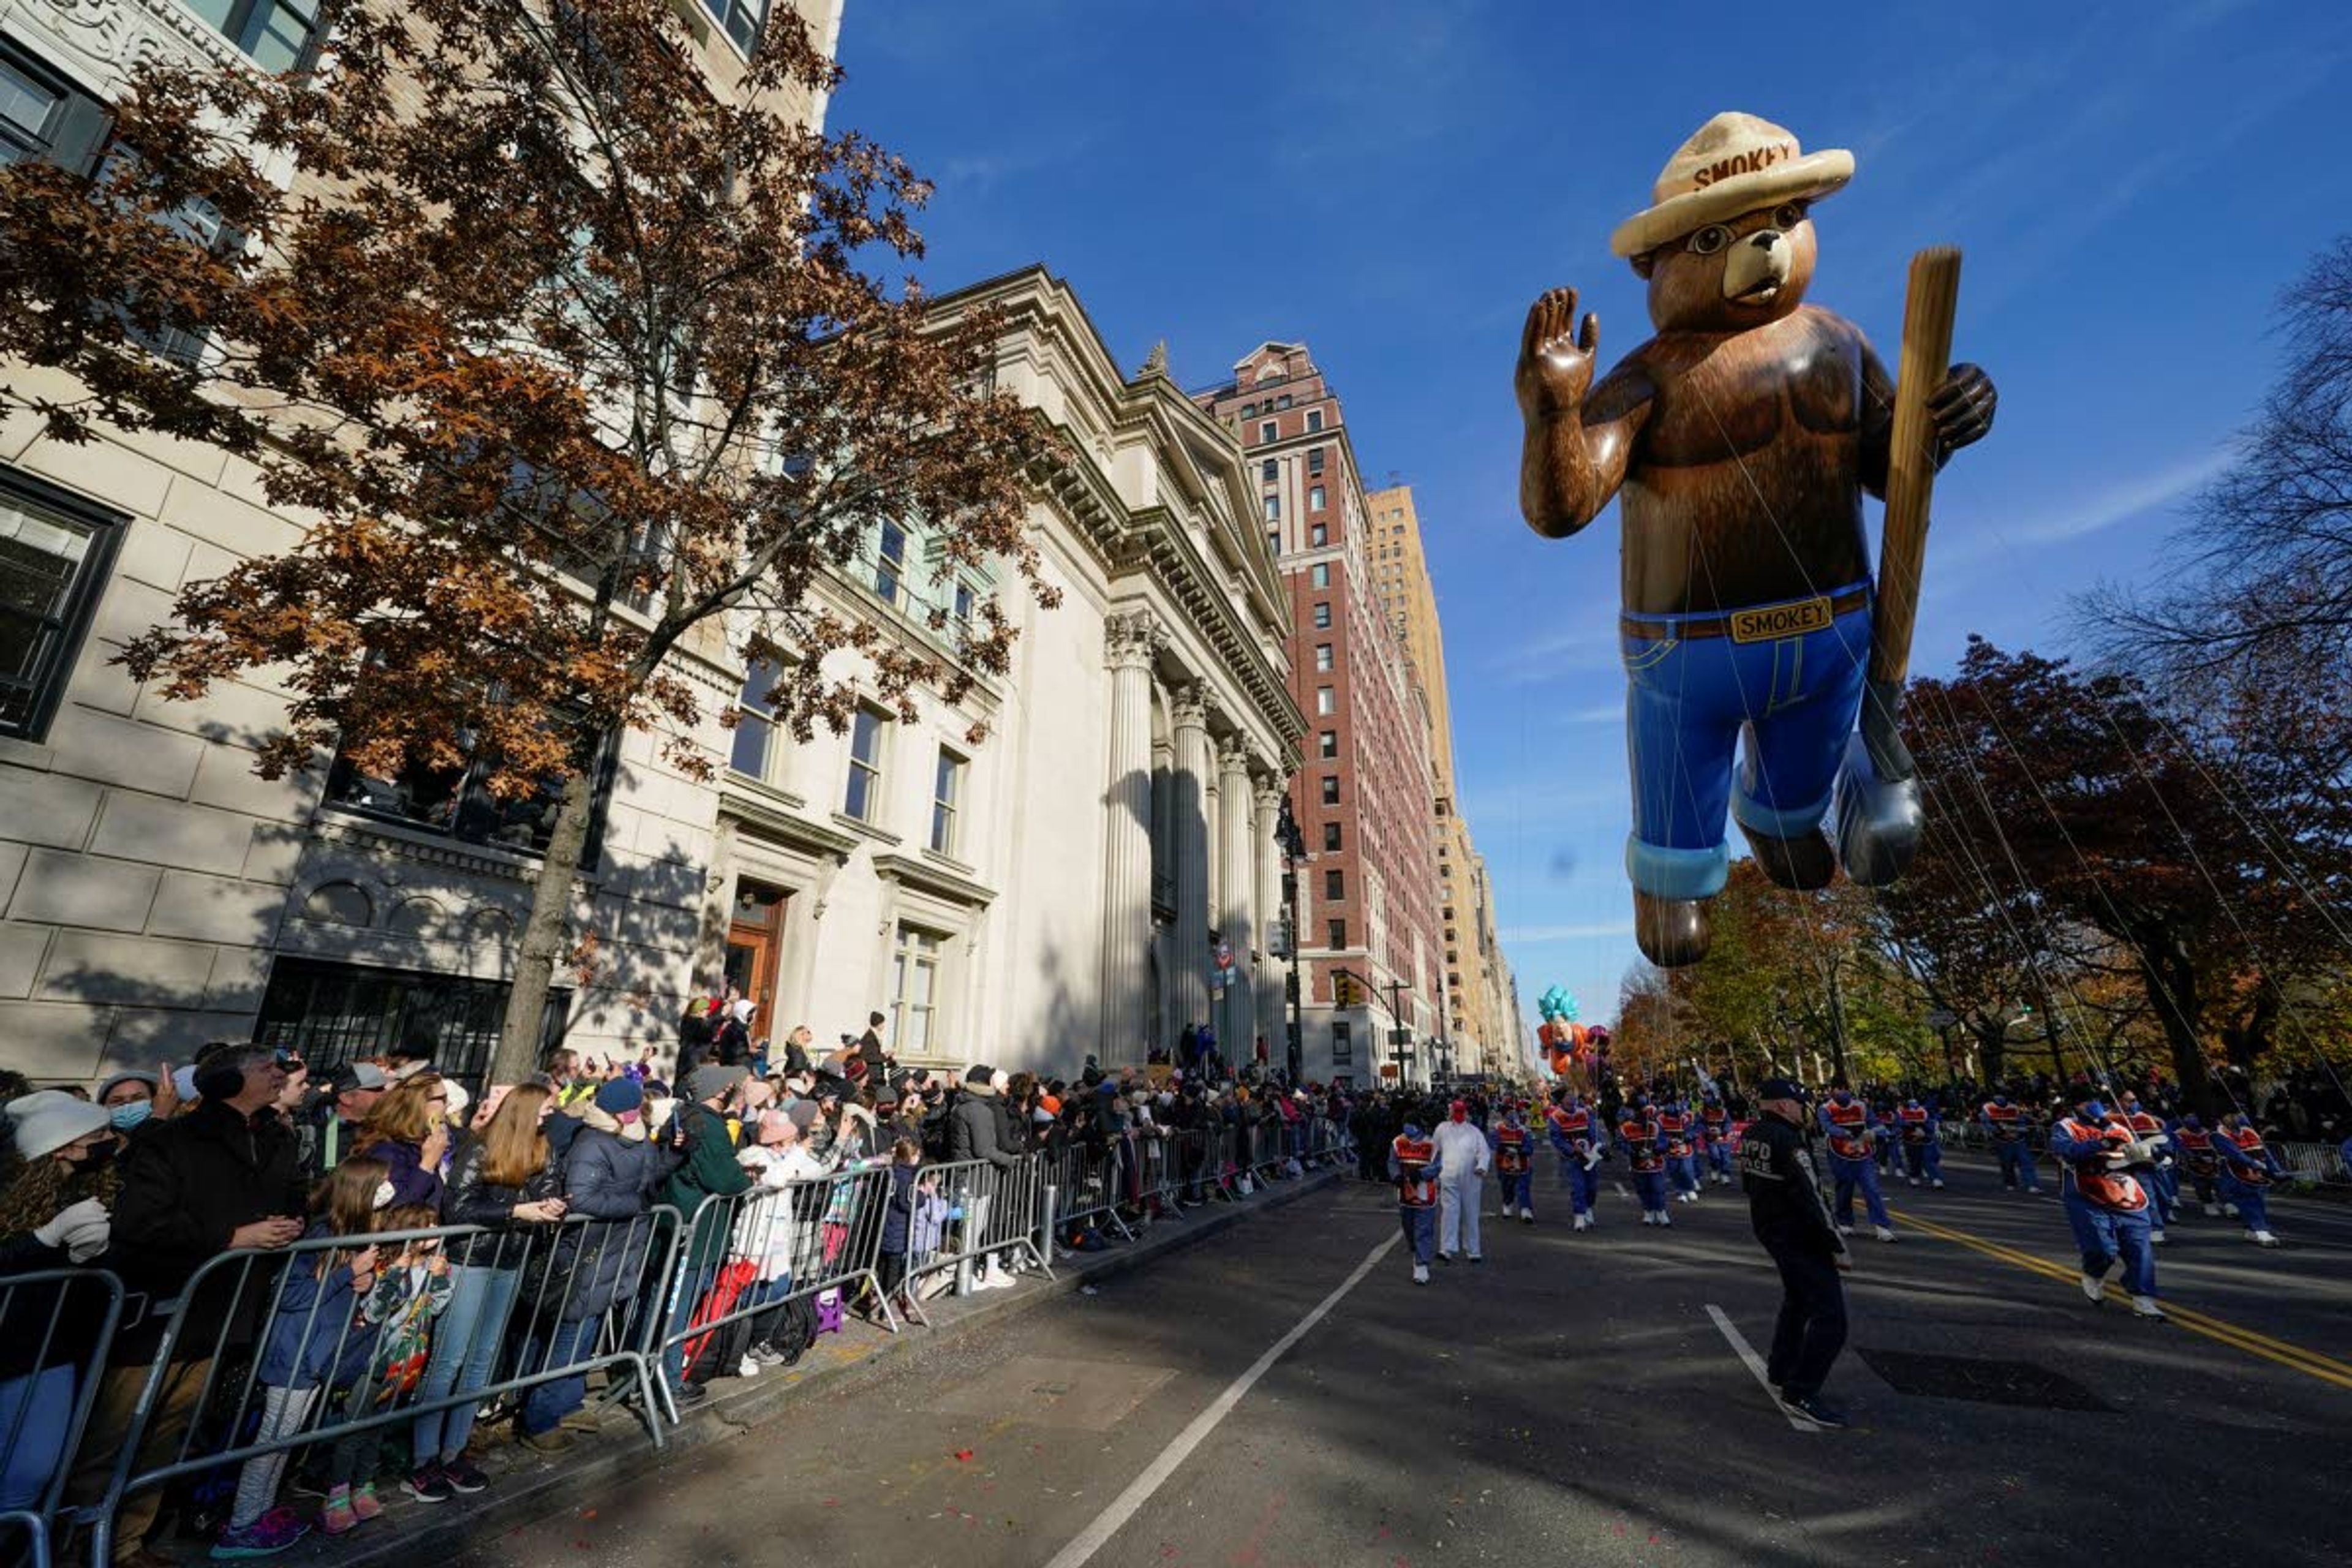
(1720, 399)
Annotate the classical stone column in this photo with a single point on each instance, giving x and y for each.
(1131, 641)
(1273, 1014)
(1187, 791)
(1237, 919)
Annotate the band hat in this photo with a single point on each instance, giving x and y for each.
(1732, 165)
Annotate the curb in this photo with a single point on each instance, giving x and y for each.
(527, 1487)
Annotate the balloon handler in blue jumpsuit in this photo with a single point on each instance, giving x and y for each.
(1850, 1130)
(2110, 1211)
(1578, 1138)
(1514, 1163)
(1644, 1144)
(1715, 1122)
(2248, 1168)
(1923, 1149)
(1413, 1167)
(2011, 1131)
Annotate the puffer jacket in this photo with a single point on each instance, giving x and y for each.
(610, 1175)
(316, 1334)
(972, 1127)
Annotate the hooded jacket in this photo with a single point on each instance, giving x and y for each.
(972, 1127)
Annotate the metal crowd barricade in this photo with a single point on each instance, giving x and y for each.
(586, 1301)
(968, 1212)
(2321, 1165)
(55, 1328)
(746, 1256)
(1082, 1186)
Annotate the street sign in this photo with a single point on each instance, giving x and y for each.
(1388, 1069)
(1399, 1037)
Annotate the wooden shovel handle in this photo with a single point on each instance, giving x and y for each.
(1927, 312)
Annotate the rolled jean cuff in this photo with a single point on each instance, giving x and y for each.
(1778, 822)
(1667, 873)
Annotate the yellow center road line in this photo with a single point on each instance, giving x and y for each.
(2310, 1362)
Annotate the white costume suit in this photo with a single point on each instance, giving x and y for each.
(1464, 1158)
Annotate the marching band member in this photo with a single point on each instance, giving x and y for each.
(1851, 1131)
(1714, 1125)
(2163, 1187)
(1882, 1143)
(1645, 1153)
(2105, 1204)
(1413, 1167)
(2194, 1140)
(1923, 1149)
(1575, 1131)
(1679, 1126)
(1464, 1155)
(2248, 1168)
(1515, 1163)
(2006, 1123)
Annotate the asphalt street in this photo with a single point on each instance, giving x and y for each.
(1571, 1399)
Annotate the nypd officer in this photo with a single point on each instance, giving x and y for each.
(1793, 1224)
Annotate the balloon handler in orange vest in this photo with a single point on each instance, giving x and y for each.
(2106, 1203)
(1413, 1166)
(1715, 1122)
(1514, 1163)
(1850, 1130)
(2248, 1168)
(1578, 1138)
(1923, 1149)
(2011, 1130)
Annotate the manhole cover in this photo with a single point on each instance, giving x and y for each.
(1984, 1382)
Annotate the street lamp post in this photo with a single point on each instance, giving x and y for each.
(1293, 845)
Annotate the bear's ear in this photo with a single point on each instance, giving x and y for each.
(1645, 263)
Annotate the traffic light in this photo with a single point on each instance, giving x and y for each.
(1343, 990)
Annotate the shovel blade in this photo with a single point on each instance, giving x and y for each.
(1879, 820)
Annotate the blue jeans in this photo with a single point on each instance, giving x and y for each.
(1419, 1231)
(557, 1345)
(2017, 1166)
(2105, 1235)
(691, 1288)
(1848, 1175)
(466, 1344)
(43, 1401)
(1688, 700)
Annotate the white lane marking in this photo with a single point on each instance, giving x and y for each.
(1747, 1352)
(1107, 1524)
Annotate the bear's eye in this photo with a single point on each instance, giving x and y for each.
(1788, 216)
(1710, 239)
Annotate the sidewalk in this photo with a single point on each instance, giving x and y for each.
(525, 1485)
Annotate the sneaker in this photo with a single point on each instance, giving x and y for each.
(750, 1368)
(1884, 1233)
(2263, 1238)
(2146, 1307)
(2212, 1211)
(1844, 1229)
(1938, 1184)
(1445, 1258)
(1583, 1222)
(1813, 1408)
(692, 1395)
(364, 1504)
(1913, 1180)
(2156, 1236)
(462, 1476)
(265, 1536)
(2094, 1288)
(428, 1485)
(1421, 1273)
(1477, 1258)
(1665, 1219)
(554, 1440)
(338, 1518)
(1649, 1217)
(1527, 1216)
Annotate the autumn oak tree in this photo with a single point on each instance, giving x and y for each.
(569, 360)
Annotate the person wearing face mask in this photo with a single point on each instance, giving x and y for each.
(2248, 1168)
(1416, 1168)
(50, 1218)
(1714, 1131)
(2107, 1207)
(1644, 1143)
(1923, 1152)
(1851, 1131)
(2007, 1125)
(2156, 1174)
(2194, 1142)
(1515, 1160)
(1464, 1159)
(1682, 1151)
(1574, 1129)
(129, 1100)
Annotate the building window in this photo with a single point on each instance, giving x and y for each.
(331, 1014)
(277, 34)
(1331, 744)
(1249, 410)
(1269, 470)
(1319, 536)
(1274, 540)
(1273, 509)
(1338, 931)
(947, 798)
(1314, 461)
(1266, 431)
(914, 990)
(1321, 576)
(1283, 401)
(965, 601)
(1323, 659)
(1314, 499)
(1343, 1042)
(1330, 789)
(893, 562)
(1335, 886)
(864, 796)
(741, 18)
(755, 721)
(1332, 836)
(55, 554)
(1324, 702)
(1323, 616)
(43, 116)
(1314, 420)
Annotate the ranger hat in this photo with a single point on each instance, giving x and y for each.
(1732, 165)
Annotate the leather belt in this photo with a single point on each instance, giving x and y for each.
(1767, 623)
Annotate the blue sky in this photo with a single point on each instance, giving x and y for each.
(1393, 182)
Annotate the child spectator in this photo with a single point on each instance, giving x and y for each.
(898, 1218)
(411, 1290)
(314, 1337)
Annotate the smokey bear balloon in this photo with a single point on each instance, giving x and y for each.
(1740, 438)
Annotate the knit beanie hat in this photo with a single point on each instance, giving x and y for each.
(54, 1123)
(620, 1094)
(713, 1080)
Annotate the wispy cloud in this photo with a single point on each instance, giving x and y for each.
(2120, 501)
(1536, 936)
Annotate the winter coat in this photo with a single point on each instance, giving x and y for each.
(707, 1169)
(973, 1125)
(769, 1224)
(471, 1198)
(610, 1177)
(187, 1186)
(317, 1333)
(927, 1226)
(899, 1217)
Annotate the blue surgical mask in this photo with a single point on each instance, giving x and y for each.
(130, 1113)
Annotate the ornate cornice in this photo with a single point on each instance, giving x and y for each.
(384, 840)
(936, 880)
(769, 819)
